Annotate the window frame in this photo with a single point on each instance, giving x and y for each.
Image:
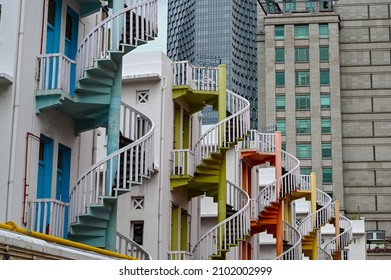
(303, 126)
(299, 75)
(323, 27)
(327, 105)
(322, 58)
(279, 106)
(298, 54)
(304, 148)
(327, 150)
(307, 102)
(329, 175)
(278, 57)
(277, 74)
(323, 78)
(278, 29)
(301, 28)
(324, 128)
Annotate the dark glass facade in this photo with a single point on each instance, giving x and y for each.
(209, 33)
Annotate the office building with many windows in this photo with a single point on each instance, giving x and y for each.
(324, 80)
(209, 33)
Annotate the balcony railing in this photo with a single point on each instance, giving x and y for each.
(54, 72)
(196, 77)
(182, 162)
(48, 216)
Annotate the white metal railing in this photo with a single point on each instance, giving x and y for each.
(324, 255)
(228, 232)
(136, 22)
(54, 72)
(179, 255)
(282, 186)
(320, 217)
(227, 131)
(262, 142)
(342, 240)
(196, 77)
(293, 238)
(120, 170)
(305, 182)
(129, 247)
(182, 162)
(48, 216)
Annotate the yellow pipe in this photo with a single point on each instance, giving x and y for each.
(11, 226)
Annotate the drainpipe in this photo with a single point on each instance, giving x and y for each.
(161, 164)
(113, 136)
(15, 111)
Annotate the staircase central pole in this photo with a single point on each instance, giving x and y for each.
(113, 135)
(222, 114)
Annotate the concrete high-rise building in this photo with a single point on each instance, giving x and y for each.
(209, 33)
(325, 81)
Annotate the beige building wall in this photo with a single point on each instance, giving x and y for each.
(365, 51)
(360, 99)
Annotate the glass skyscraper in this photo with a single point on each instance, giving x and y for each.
(209, 33)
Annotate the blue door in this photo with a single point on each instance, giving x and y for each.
(53, 34)
(71, 35)
(44, 186)
(63, 179)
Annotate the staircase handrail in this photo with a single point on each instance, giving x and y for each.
(101, 39)
(263, 142)
(90, 186)
(318, 218)
(196, 77)
(342, 240)
(215, 137)
(293, 236)
(324, 255)
(215, 239)
(287, 183)
(129, 247)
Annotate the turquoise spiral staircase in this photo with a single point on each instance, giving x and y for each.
(83, 90)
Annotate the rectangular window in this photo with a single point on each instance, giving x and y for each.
(324, 77)
(327, 175)
(51, 11)
(303, 126)
(279, 31)
(326, 150)
(309, 6)
(302, 54)
(324, 53)
(325, 101)
(303, 102)
(302, 78)
(325, 5)
(303, 150)
(301, 31)
(323, 30)
(281, 126)
(290, 6)
(280, 78)
(326, 125)
(280, 55)
(280, 102)
(138, 232)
